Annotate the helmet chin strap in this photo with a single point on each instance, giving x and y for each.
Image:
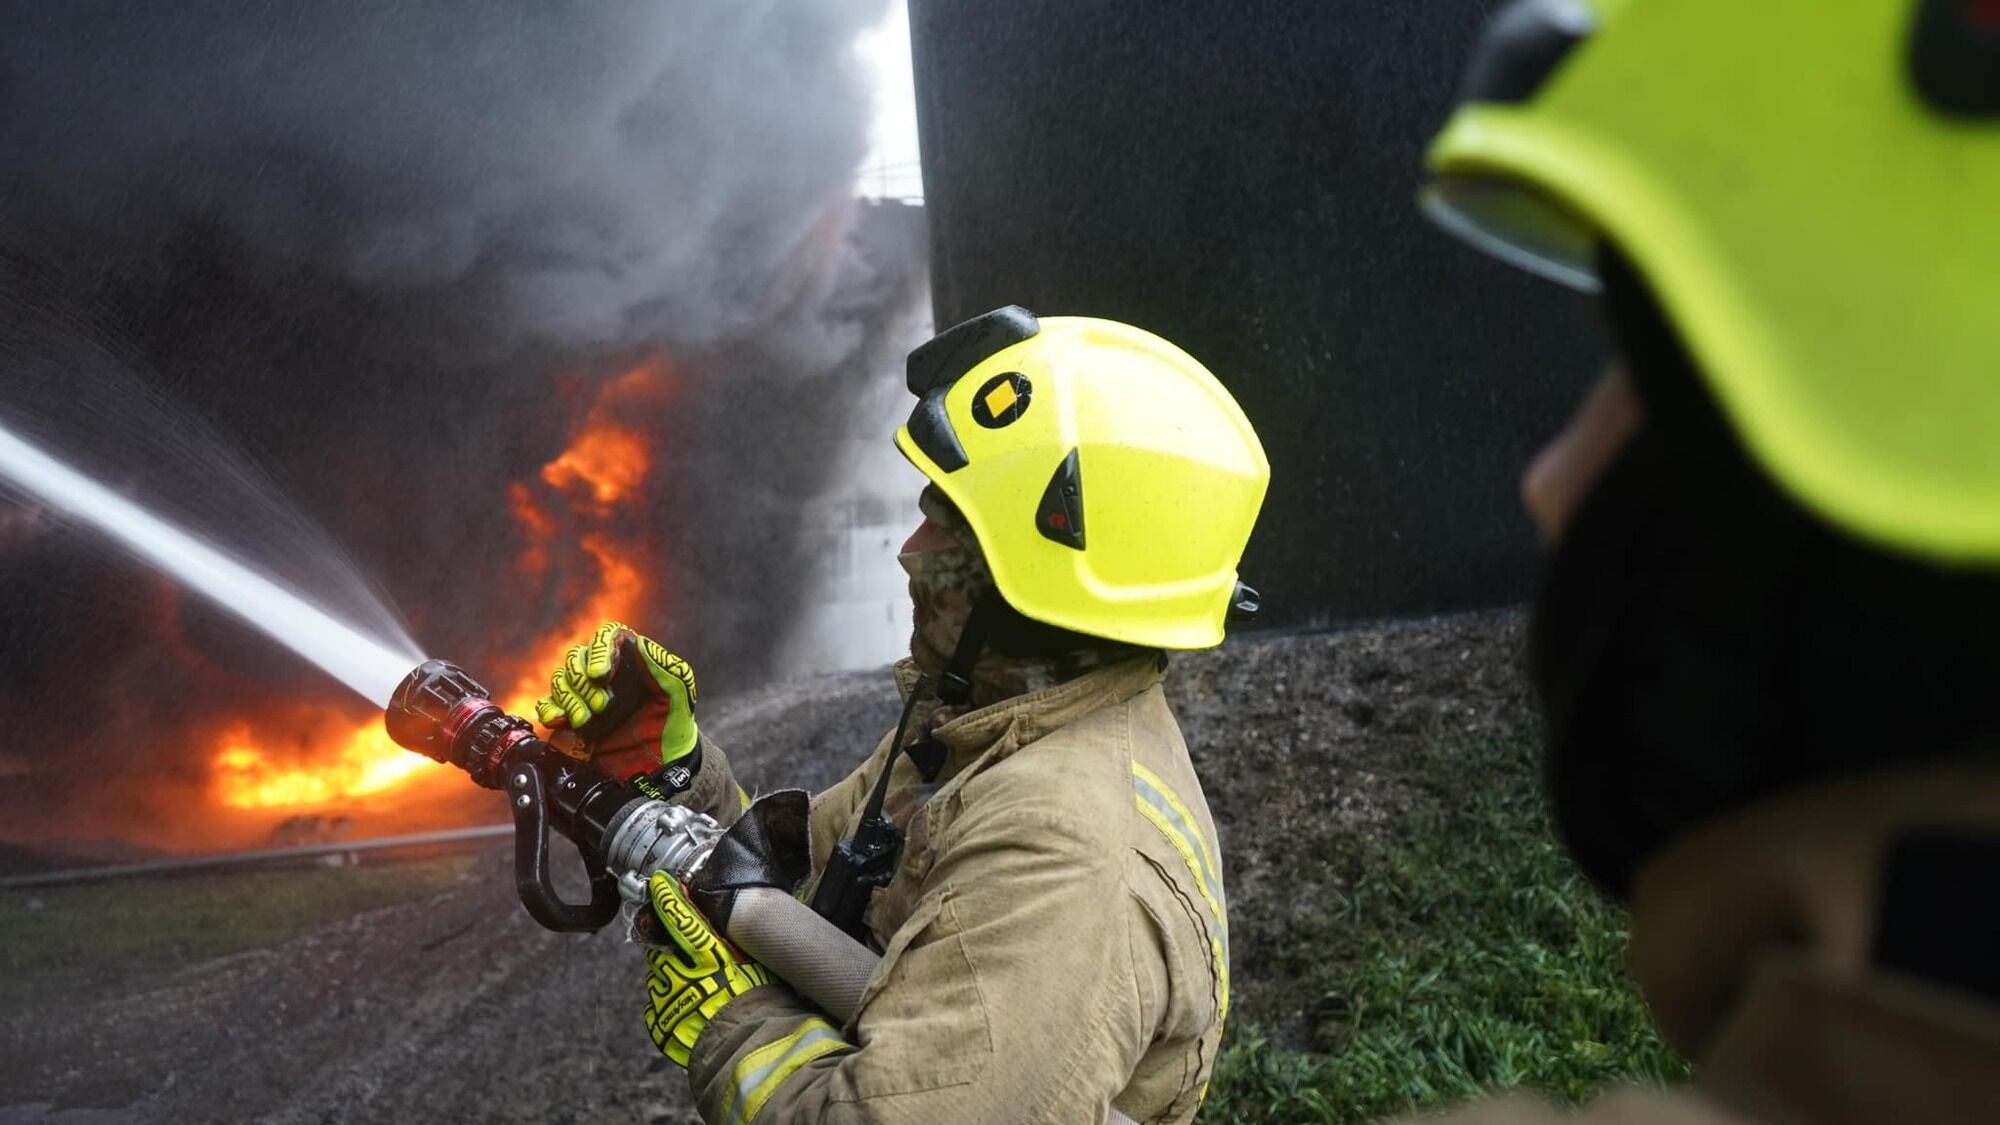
(955, 686)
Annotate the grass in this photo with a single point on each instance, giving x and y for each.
(57, 940)
(1469, 954)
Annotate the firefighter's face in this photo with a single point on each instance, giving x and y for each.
(946, 571)
(1562, 474)
(929, 536)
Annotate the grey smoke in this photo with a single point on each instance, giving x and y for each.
(602, 174)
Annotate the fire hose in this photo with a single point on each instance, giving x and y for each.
(741, 877)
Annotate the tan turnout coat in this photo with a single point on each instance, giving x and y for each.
(1054, 940)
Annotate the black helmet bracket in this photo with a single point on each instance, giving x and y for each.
(941, 360)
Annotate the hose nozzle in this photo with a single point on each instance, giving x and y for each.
(444, 714)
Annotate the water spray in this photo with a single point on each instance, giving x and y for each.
(335, 646)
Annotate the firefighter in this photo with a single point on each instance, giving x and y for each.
(1766, 640)
(1054, 937)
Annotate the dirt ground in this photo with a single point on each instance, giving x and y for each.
(457, 1007)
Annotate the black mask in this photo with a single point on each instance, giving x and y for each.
(1700, 641)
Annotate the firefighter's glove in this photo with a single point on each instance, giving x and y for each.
(694, 973)
(583, 688)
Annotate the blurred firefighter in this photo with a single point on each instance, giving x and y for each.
(1051, 921)
(1766, 642)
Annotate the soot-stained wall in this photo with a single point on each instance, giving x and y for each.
(1239, 178)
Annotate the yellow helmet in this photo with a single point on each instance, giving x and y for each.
(1110, 479)
(1812, 192)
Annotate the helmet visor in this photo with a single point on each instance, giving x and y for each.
(1516, 224)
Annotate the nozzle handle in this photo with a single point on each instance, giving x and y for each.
(528, 798)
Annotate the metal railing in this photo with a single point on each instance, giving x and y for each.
(264, 857)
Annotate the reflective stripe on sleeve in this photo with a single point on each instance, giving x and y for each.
(759, 1073)
(1165, 811)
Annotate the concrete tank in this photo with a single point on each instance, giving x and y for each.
(1239, 178)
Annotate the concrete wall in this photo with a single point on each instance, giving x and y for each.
(1238, 177)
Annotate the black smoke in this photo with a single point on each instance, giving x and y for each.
(383, 250)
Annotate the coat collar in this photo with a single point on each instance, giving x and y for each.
(1013, 723)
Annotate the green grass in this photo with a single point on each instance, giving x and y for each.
(58, 939)
(1468, 955)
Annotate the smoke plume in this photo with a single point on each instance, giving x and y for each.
(580, 173)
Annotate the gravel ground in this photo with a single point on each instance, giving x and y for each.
(457, 1007)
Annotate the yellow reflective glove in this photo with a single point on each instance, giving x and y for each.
(693, 976)
(582, 688)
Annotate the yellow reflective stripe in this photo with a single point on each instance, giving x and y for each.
(1158, 804)
(759, 1073)
(1161, 796)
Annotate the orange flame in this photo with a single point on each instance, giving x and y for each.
(247, 777)
(540, 528)
(609, 461)
(620, 590)
(604, 468)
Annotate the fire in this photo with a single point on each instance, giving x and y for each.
(597, 477)
(609, 461)
(606, 460)
(249, 777)
(536, 523)
(621, 588)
